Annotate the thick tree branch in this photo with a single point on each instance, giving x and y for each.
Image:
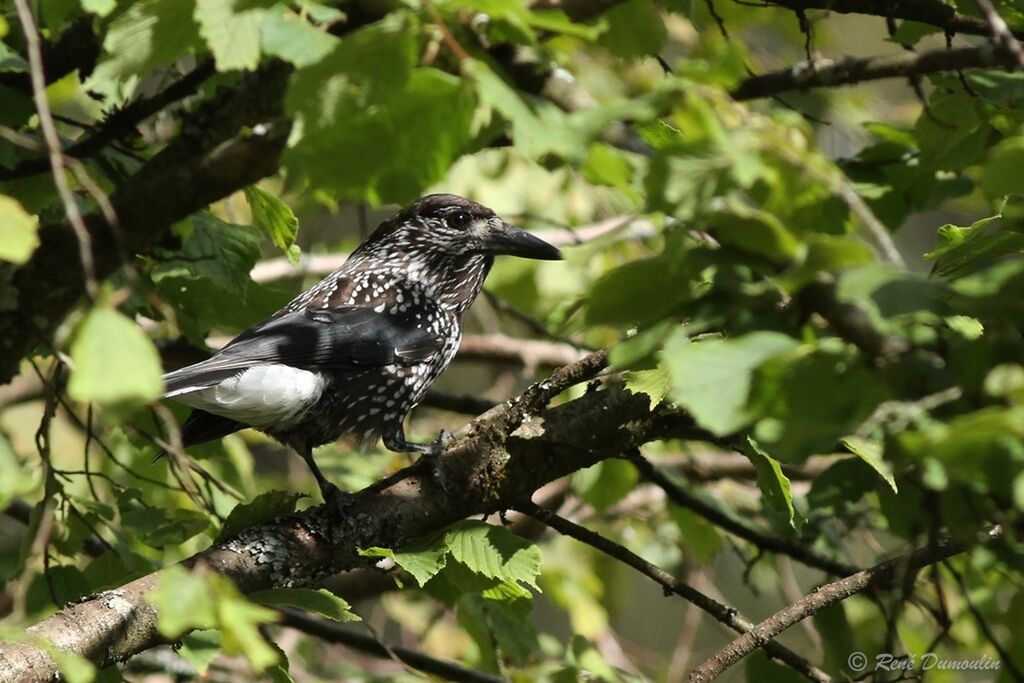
(500, 458)
(878, 576)
(830, 74)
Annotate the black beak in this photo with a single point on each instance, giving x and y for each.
(509, 240)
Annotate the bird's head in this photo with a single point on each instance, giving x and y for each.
(451, 226)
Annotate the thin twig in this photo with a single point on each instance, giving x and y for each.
(799, 552)
(984, 626)
(1000, 31)
(54, 150)
(335, 633)
(837, 591)
(722, 613)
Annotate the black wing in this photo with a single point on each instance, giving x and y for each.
(322, 339)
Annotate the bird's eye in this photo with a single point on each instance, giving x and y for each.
(459, 219)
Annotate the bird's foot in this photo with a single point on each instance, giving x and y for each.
(337, 501)
(429, 461)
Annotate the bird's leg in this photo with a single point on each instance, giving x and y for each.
(332, 494)
(394, 440)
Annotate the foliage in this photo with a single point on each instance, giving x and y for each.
(751, 282)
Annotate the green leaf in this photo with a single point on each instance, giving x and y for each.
(261, 509)
(319, 601)
(699, 536)
(293, 39)
(774, 484)
(75, 668)
(19, 231)
(423, 564)
(652, 383)
(538, 128)
(606, 483)
(215, 252)
(635, 29)
(16, 478)
(99, 7)
(149, 34)
(232, 36)
(754, 231)
(1002, 168)
(239, 621)
(199, 648)
(711, 379)
(275, 219)
(369, 104)
(183, 601)
(132, 375)
(494, 552)
(870, 451)
(964, 250)
(801, 411)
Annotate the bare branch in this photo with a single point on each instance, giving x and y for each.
(829, 594)
(1000, 31)
(723, 613)
(830, 74)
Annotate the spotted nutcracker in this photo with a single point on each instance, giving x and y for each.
(355, 353)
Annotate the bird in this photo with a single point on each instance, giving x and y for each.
(355, 353)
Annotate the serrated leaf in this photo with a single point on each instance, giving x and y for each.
(870, 451)
(18, 238)
(494, 552)
(232, 36)
(261, 509)
(423, 565)
(319, 601)
(129, 375)
(293, 39)
(275, 219)
(653, 383)
(712, 378)
(215, 253)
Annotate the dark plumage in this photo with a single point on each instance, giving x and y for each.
(355, 353)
